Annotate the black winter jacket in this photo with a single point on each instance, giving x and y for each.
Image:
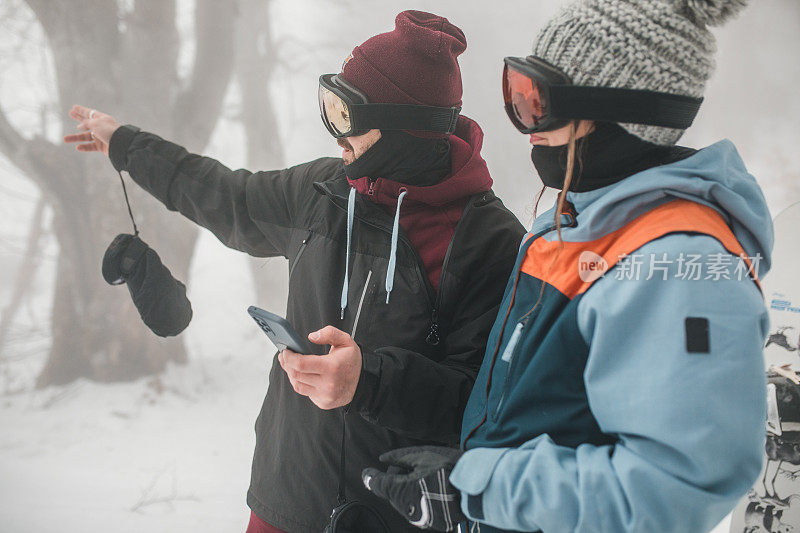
(410, 391)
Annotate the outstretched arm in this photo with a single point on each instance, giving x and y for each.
(252, 212)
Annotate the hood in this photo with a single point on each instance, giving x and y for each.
(714, 176)
(469, 175)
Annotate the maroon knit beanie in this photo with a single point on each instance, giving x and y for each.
(413, 64)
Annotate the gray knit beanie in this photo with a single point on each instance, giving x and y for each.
(656, 45)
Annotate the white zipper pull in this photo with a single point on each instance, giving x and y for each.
(508, 353)
(360, 304)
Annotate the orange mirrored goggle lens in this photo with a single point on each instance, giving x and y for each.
(523, 97)
(334, 110)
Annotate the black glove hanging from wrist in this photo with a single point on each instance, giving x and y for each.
(417, 485)
(160, 298)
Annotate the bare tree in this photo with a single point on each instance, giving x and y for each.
(124, 62)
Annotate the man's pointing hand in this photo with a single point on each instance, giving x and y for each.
(329, 381)
(98, 128)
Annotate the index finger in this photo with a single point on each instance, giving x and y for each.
(78, 137)
(308, 364)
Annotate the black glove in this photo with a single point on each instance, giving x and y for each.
(417, 485)
(159, 297)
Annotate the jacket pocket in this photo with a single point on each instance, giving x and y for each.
(300, 251)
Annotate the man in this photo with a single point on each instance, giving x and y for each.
(398, 256)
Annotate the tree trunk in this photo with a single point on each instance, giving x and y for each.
(127, 70)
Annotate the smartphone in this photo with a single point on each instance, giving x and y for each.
(279, 331)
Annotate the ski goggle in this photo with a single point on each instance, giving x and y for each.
(345, 111)
(539, 97)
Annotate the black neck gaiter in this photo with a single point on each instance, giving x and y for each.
(404, 158)
(607, 155)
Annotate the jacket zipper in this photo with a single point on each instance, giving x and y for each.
(299, 253)
(570, 210)
(433, 333)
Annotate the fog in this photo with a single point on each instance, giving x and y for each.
(171, 451)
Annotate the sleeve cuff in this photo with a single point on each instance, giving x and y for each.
(475, 468)
(473, 473)
(118, 146)
(364, 397)
(471, 476)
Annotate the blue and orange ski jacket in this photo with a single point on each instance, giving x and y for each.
(623, 385)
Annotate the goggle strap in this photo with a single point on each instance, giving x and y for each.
(406, 117)
(627, 106)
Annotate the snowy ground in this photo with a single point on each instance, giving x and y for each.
(124, 458)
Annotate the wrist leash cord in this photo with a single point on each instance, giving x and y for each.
(128, 203)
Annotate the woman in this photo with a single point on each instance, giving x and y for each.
(622, 388)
